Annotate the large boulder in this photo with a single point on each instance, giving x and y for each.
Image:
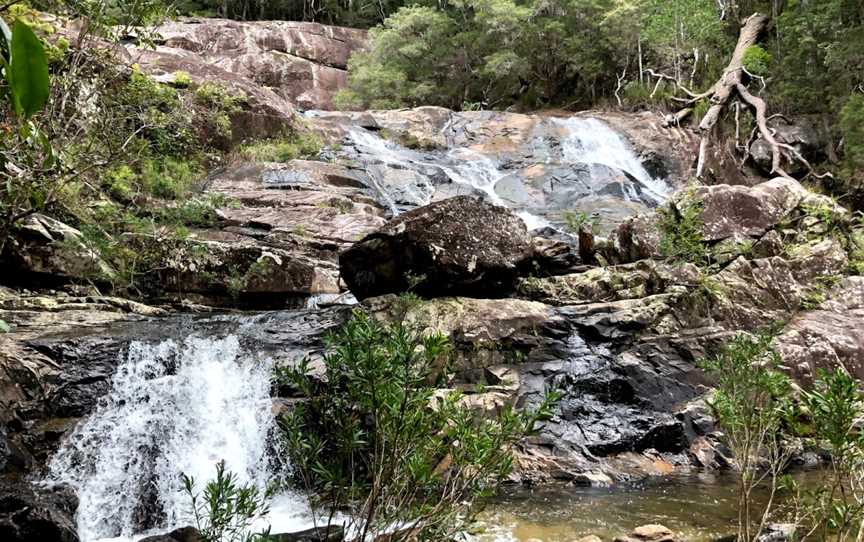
(29, 513)
(742, 212)
(298, 63)
(806, 136)
(183, 534)
(829, 337)
(462, 245)
(43, 247)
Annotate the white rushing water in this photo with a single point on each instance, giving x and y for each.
(172, 408)
(591, 141)
(588, 142)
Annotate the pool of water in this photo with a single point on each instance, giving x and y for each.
(700, 508)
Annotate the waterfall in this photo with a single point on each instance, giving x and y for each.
(591, 141)
(406, 178)
(172, 408)
(471, 169)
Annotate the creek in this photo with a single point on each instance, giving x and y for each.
(188, 392)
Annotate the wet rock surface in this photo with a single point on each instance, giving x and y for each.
(29, 513)
(604, 164)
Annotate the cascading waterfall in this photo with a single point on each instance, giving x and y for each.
(172, 408)
(590, 141)
(587, 142)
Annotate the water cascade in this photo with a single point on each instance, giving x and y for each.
(172, 408)
(591, 141)
(587, 153)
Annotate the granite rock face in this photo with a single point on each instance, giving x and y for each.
(301, 64)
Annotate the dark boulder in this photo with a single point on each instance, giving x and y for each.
(461, 245)
(30, 513)
(333, 533)
(806, 136)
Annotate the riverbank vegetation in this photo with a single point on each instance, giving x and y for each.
(104, 147)
(380, 445)
(766, 421)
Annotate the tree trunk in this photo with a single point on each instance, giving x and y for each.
(732, 85)
(732, 76)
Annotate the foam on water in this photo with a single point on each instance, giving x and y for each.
(172, 408)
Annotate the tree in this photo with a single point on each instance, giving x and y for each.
(752, 404)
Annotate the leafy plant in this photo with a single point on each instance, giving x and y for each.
(574, 221)
(376, 444)
(681, 228)
(752, 404)
(757, 60)
(226, 510)
(833, 510)
(26, 69)
(4, 327)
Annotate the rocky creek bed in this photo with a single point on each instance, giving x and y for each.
(110, 397)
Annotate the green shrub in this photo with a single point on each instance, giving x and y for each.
(757, 60)
(168, 177)
(378, 444)
(753, 405)
(182, 79)
(121, 182)
(305, 145)
(832, 509)
(200, 212)
(681, 232)
(157, 113)
(574, 221)
(220, 104)
(227, 509)
(216, 96)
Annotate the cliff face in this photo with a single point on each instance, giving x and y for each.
(304, 64)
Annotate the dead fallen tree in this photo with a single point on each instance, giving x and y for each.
(732, 87)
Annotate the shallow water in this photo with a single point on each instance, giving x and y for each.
(700, 508)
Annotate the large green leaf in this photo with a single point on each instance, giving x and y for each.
(27, 71)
